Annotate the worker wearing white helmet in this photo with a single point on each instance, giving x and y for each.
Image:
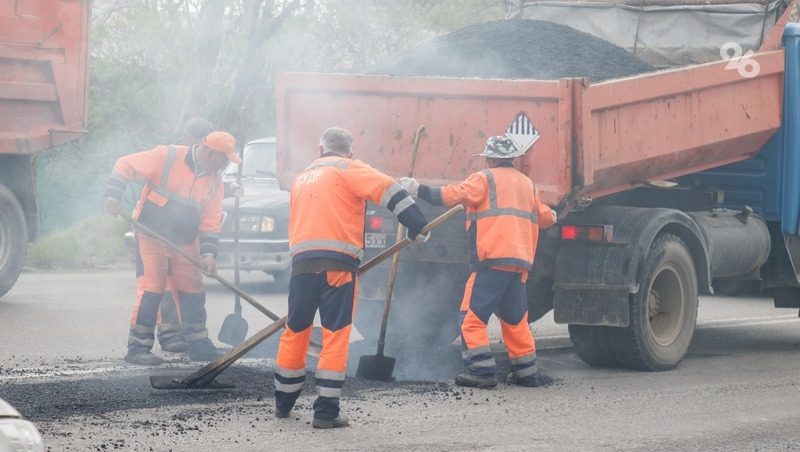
(504, 215)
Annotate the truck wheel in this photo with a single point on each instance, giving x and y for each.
(664, 312)
(13, 239)
(593, 346)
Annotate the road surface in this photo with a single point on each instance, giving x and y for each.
(63, 336)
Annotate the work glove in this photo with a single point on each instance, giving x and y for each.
(410, 185)
(209, 264)
(113, 206)
(421, 238)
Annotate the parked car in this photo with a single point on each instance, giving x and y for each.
(16, 433)
(263, 216)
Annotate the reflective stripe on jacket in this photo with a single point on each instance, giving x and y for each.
(175, 201)
(328, 206)
(504, 215)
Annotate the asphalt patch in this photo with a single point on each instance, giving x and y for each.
(63, 397)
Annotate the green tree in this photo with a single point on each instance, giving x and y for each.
(155, 63)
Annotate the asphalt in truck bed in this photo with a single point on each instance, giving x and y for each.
(516, 49)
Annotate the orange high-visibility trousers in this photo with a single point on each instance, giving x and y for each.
(156, 263)
(334, 294)
(169, 333)
(491, 291)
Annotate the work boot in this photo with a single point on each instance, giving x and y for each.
(142, 358)
(337, 422)
(530, 381)
(280, 414)
(174, 347)
(476, 381)
(202, 350)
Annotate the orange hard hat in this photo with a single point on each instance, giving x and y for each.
(222, 142)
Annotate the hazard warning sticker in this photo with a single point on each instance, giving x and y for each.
(522, 132)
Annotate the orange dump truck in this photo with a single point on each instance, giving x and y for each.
(645, 226)
(43, 89)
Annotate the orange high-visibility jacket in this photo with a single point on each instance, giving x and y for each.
(504, 215)
(328, 206)
(176, 201)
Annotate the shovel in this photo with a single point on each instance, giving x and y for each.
(378, 366)
(316, 347)
(234, 328)
(204, 378)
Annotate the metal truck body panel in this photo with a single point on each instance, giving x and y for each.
(630, 292)
(43, 99)
(43, 83)
(769, 182)
(597, 139)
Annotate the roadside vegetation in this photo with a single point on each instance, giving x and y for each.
(92, 243)
(155, 63)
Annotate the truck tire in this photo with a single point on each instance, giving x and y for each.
(13, 240)
(664, 312)
(593, 345)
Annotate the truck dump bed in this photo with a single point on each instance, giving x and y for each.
(597, 139)
(43, 83)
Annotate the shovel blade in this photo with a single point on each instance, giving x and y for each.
(177, 382)
(233, 331)
(375, 367)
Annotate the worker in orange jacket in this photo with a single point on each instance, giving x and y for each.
(504, 215)
(182, 201)
(169, 332)
(326, 240)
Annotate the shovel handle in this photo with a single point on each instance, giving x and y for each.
(401, 231)
(200, 266)
(389, 291)
(206, 374)
(388, 252)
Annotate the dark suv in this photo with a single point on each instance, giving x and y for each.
(263, 216)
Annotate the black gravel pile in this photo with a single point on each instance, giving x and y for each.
(517, 49)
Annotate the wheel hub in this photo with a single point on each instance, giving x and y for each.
(666, 305)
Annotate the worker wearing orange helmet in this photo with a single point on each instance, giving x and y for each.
(182, 201)
(168, 330)
(504, 215)
(326, 240)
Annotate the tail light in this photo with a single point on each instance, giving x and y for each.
(599, 233)
(375, 223)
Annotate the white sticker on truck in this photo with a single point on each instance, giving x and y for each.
(375, 240)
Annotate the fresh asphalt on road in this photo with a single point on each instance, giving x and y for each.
(63, 336)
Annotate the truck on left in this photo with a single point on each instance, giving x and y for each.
(43, 104)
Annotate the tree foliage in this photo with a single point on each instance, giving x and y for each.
(155, 63)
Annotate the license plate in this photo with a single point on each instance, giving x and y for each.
(375, 240)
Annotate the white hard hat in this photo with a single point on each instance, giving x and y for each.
(500, 147)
